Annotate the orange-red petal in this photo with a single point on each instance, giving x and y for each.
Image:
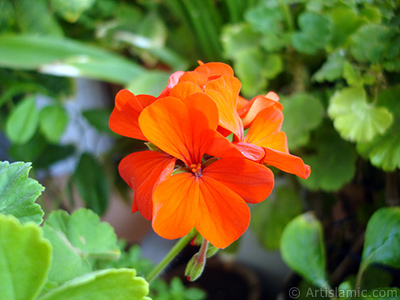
(287, 162)
(214, 70)
(222, 215)
(252, 181)
(181, 128)
(184, 89)
(267, 122)
(195, 77)
(142, 171)
(124, 117)
(166, 124)
(250, 111)
(224, 91)
(172, 81)
(250, 151)
(176, 202)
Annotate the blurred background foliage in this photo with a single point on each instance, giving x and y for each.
(335, 65)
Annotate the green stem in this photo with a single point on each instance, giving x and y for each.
(171, 255)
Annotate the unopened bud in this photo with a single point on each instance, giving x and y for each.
(195, 267)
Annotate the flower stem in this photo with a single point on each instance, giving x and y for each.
(171, 255)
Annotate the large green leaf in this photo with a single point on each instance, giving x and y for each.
(24, 260)
(112, 284)
(92, 183)
(354, 118)
(71, 10)
(75, 239)
(23, 121)
(65, 57)
(271, 216)
(382, 239)
(303, 250)
(303, 113)
(384, 150)
(151, 83)
(53, 122)
(314, 35)
(333, 164)
(18, 193)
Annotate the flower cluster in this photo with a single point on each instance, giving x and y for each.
(203, 169)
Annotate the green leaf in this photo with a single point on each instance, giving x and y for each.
(375, 43)
(53, 122)
(18, 193)
(265, 18)
(238, 37)
(382, 239)
(75, 239)
(314, 35)
(303, 250)
(112, 284)
(71, 10)
(341, 31)
(98, 118)
(354, 118)
(272, 215)
(65, 57)
(92, 183)
(352, 75)
(384, 150)
(248, 68)
(23, 121)
(24, 260)
(27, 13)
(272, 66)
(332, 69)
(333, 165)
(303, 113)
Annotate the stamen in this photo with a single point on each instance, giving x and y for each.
(196, 169)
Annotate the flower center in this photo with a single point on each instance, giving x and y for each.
(196, 169)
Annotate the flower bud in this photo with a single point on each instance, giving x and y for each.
(195, 267)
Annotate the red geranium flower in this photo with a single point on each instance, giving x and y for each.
(209, 196)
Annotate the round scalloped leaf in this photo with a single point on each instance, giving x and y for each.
(76, 238)
(18, 193)
(303, 250)
(303, 113)
(333, 165)
(382, 239)
(111, 284)
(314, 35)
(384, 150)
(273, 214)
(24, 260)
(354, 118)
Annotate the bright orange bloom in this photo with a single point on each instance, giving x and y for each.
(264, 142)
(211, 195)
